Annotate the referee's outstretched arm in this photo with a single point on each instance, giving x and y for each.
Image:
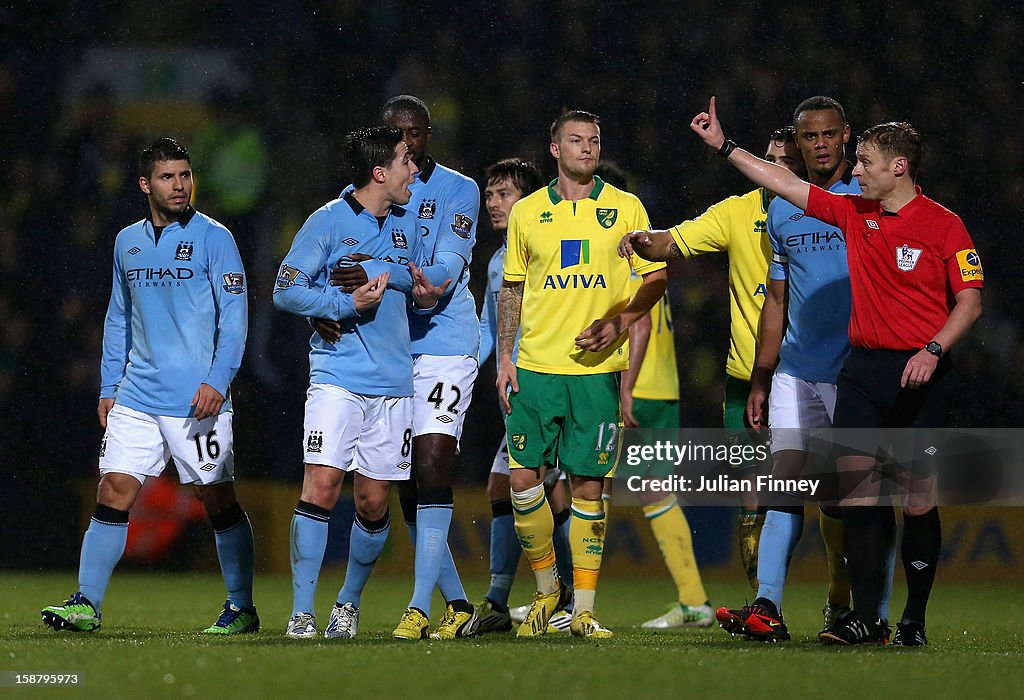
(775, 178)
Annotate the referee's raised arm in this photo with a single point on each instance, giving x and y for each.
(775, 178)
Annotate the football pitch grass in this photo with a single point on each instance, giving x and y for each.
(149, 647)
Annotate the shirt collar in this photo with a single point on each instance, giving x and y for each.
(429, 165)
(183, 220)
(594, 193)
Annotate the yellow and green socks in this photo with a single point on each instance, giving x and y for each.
(672, 531)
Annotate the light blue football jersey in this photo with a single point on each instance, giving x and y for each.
(373, 356)
(811, 256)
(177, 316)
(445, 205)
(489, 314)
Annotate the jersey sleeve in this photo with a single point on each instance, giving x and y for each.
(778, 266)
(489, 321)
(227, 280)
(708, 233)
(306, 259)
(642, 222)
(117, 331)
(456, 235)
(963, 264)
(516, 255)
(832, 208)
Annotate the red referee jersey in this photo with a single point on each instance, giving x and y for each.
(905, 267)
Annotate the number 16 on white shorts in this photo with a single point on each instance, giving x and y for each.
(140, 444)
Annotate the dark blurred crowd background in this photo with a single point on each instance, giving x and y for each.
(262, 93)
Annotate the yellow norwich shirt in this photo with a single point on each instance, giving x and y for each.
(738, 225)
(565, 253)
(658, 378)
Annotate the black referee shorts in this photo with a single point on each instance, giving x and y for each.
(869, 399)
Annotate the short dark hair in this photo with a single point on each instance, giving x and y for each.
(369, 148)
(819, 103)
(521, 173)
(783, 135)
(164, 148)
(612, 173)
(572, 115)
(404, 103)
(896, 140)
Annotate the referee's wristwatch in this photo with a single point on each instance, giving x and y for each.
(934, 348)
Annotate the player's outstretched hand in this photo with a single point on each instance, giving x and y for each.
(349, 275)
(508, 376)
(919, 370)
(369, 295)
(103, 409)
(329, 330)
(708, 128)
(424, 293)
(600, 334)
(206, 402)
(633, 241)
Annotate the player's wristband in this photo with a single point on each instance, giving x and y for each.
(728, 146)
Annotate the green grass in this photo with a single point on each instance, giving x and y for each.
(149, 648)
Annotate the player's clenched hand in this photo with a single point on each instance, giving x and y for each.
(369, 295)
(600, 334)
(424, 293)
(349, 274)
(206, 402)
(507, 377)
(708, 128)
(329, 330)
(919, 370)
(634, 240)
(103, 409)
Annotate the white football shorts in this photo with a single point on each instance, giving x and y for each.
(371, 435)
(139, 444)
(797, 409)
(443, 385)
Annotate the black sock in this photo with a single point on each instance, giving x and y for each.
(922, 540)
(866, 532)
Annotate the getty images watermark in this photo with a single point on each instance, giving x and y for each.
(711, 467)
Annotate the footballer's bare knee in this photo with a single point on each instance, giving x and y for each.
(117, 490)
(321, 485)
(371, 497)
(498, 486)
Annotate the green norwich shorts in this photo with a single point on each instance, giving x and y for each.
(735, 418)
(568, 421)
(656, 413)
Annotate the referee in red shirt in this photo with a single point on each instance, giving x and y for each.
(916, 281)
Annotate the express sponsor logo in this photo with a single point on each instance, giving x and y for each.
(970, 265)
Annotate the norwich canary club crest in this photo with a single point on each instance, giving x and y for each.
(607, 217)
(518, 441)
